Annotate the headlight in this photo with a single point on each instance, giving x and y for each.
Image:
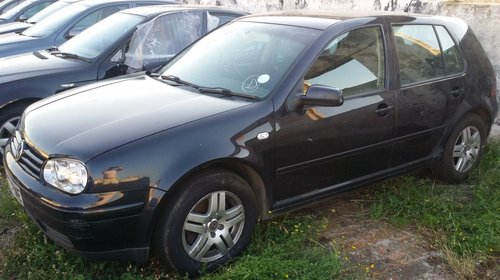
(67, 175)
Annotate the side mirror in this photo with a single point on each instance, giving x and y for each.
(318, 95)
(73, 32)
(23, 18)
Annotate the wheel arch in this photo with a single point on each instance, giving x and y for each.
(17, 102)
(243, 169)
(484, 115)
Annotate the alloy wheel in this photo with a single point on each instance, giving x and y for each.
(466, 149)
(213, 226)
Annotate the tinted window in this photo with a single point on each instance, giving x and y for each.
(453, 62)
(419, 53)
(353, 62)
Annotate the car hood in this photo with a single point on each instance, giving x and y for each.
(12, 43)
(35, 64)
(13, 27)
(84, 124)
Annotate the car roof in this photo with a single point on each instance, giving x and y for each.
(99, 2)
(322, 19)
(161, 9)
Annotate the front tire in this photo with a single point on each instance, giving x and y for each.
(463, 150)
(210, 221)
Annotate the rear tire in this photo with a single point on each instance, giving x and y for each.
(463, 150)
(210, 221)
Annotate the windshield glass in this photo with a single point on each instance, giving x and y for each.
(12, 12)
(157, 41)
(243, 57)
(99, 37)
(47, 11)
(55, 21)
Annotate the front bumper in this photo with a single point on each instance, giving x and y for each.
(106, 225)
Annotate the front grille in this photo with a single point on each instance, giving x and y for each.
(27, 157)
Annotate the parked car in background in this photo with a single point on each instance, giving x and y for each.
(24, 10)
(6, 5)
(23, 25)
(66, 23)
(260, 116)
(128, 41)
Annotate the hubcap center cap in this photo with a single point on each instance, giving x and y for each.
(213, 225)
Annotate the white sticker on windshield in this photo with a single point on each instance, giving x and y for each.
(264, 78)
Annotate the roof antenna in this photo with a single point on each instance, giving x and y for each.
(406, 10)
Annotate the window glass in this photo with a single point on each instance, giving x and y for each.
(58, 19)
(244, 57)
(418, 52)
(48, 11)
(453, 62)
(353, 62)
(97, 16)
(102, 36)
(35, 9)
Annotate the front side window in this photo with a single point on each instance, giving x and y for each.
(418, 52)
(353, 62)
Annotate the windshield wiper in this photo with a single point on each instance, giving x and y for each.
(226, 92)
(216, 90)
(178, 81)
(56, 51)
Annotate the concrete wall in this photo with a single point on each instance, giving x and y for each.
(483, 16)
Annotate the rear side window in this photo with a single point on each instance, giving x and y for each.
(425, 52)
(453, 62)
(353, 62)
(418, 52)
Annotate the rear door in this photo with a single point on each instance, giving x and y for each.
(432, 86)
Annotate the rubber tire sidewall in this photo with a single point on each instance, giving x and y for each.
(11, 112)
(168, 239)
(445, 169)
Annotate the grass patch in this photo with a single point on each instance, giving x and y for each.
(283, 248)
(465, 218)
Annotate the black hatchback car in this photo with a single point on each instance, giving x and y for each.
(128, 41)
(262, 115)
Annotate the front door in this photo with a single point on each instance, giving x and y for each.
(322, 149)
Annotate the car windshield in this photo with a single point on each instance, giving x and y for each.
(50, 24)
(243, 57)
(47, 11)
(99, 37)
(13, 12)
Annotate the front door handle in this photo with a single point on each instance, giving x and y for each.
(383, 109)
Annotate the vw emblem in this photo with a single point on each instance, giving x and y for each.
(17, 150)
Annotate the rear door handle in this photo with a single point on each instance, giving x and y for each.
(383, 109)
(456, 91)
